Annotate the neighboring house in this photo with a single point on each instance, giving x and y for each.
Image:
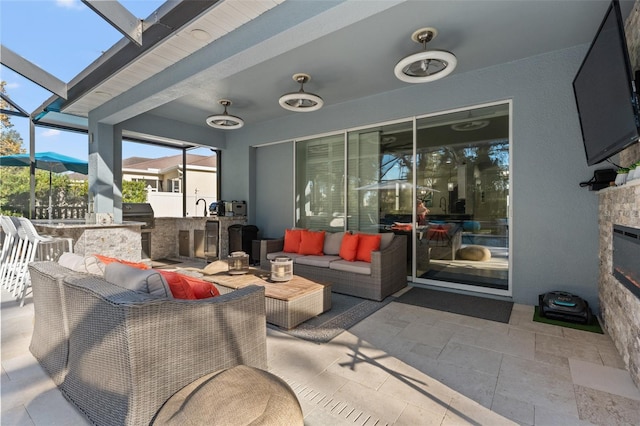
(164, 181)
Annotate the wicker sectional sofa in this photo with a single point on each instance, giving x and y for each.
(118, 355)
(386, 274)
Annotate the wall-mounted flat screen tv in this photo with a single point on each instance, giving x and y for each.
(605, 92)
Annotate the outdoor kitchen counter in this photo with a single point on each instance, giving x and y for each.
(121, 240)
(54, 224)
(192, 230)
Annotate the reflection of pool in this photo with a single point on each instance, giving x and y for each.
(485, 240)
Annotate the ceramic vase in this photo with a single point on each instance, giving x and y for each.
(621, 178)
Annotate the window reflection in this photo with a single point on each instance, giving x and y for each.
(465, 157)
(461, 170)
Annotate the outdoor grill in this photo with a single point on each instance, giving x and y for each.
(138, 212)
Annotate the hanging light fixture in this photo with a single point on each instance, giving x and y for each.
(425, 66)
(301, 101)
(224, 120)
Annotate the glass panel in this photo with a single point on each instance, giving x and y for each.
(462, 167)
(380, 192)
(319, 189)
(459, 228)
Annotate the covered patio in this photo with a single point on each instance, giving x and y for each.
(403, 365)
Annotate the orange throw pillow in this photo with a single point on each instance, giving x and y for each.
(311, 242)
(349, 247)
(292, 239)
(201, 289)
(366, 244)
(180, 289)
(107, 260)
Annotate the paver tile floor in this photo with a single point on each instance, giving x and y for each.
(403, 365)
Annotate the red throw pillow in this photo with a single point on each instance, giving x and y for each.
(366, 244)
(292, 240)
(201, 289)
(180, 288)
(311, 242)
(349, 247)
(107, 260)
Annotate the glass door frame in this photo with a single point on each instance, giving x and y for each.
(412, 278)
(429, 283)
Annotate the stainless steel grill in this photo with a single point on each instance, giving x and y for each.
(138, 212)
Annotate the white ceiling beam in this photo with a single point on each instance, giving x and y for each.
(291, 25)
(32, 72)
(119, 17)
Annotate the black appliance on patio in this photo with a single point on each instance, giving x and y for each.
(563, 306)
(141, 212)
(217, 208)
(241, 239)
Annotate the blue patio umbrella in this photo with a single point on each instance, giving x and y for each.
(51, 161)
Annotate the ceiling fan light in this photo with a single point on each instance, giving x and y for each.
(425, 66)
(301, 101)
(225, 121)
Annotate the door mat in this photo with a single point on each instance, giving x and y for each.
(463, 304)
(458, 277)
(346, 311)
(593, 327)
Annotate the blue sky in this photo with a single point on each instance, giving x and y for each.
(62, 37)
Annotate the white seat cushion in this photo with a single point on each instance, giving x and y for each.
(320, 261)
(357, 267)
(271, 256)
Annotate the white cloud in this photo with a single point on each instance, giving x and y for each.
(69, 4)
(12, 85)
(50, 133)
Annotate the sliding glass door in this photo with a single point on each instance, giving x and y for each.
(441, 180)
(380, 193)
(462, 166)
(319, 185)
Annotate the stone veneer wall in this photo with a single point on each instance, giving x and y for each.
(632, 33)
(164, 238)
(121, 241)
(619, 308)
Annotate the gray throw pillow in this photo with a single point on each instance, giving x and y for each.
(332, 241)
(385, 239)
(72, 261)
(140, 280)
(93, 265)
(78, 263)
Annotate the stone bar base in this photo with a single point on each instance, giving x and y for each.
(115, 240)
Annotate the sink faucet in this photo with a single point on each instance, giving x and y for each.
(205, 205)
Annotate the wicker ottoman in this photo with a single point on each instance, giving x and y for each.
(241, 395)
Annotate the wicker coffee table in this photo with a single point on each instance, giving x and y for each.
(288, 303)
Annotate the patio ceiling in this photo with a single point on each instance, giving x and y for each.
(349, 48)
